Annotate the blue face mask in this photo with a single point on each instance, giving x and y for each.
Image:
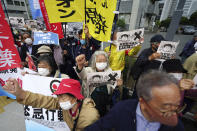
(83, 42)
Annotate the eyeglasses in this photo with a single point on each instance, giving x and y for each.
(178, 110)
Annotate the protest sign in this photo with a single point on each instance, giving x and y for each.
(31, 23)
(97, 79)
(167, 49)
(4, 76)
(100, 17)
(11, 73)
(52, 27)
(45, 38)
(52, 119)
(9, 57)
(17, 21)
(129, 39)
(65, 10)
(35, 9)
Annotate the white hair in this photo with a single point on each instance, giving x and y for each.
(94, 56)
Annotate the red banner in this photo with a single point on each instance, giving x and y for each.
(9, 57)
(31, 64)
(52, 27)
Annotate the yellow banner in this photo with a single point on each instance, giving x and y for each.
(65, 10)
(99, 18)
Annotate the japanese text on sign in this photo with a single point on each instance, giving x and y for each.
(65, 10)
(99, 18)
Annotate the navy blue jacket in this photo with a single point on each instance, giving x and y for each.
(188, 49)
(122, 117)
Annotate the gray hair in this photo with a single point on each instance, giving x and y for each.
(93, 58)
(153, 79)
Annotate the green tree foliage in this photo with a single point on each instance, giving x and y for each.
(121, 23)
(193, 19)
(184, 21)
(165, 23)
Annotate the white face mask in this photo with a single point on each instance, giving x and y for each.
(66, 105)
(28, 41)
(178, 76)
(43, 71)
(101, 66)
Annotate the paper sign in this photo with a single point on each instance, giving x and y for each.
(167, 49)
(50, 118)
(129, 39)
(31, 23)
(100, 17)
(97, 79)
(45, 38)
(17, 21)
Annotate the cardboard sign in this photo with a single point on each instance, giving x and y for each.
(97, 79)
(45, 38)
(167, 49)
(52, 119)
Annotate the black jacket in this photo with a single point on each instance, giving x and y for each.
(122, 117)
(143, 64)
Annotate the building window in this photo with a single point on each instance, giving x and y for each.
(22, 4)
(10, 2)
(17, 3)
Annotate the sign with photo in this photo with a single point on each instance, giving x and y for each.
(52, 119)
(129, 39)
(31, 23)
(45, 38)
(167, 49)
(17, 21)
(97, 79)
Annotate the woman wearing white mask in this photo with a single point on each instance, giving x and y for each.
(48, 67)
(78, 112)
(100, 94)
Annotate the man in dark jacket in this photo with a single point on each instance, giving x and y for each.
(188, 49)
(146, 59)
(159, 99)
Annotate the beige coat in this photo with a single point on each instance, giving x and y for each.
(83, 76)
(88, 114)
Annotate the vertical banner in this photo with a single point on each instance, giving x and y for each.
(40, 119)
(52, 27)
(99, 18)
(35, 9)
(9, 57)
(65, 10)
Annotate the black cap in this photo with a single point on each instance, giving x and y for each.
(157, 38)
(173, 65)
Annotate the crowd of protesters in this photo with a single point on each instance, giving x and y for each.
(160, 92)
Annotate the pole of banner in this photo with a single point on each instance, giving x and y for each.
(85, 18)
(115, 21)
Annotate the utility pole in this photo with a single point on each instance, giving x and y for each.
(174, 24)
